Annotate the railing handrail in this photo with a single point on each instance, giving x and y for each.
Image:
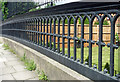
(76, 8)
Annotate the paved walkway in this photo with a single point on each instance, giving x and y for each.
(11, 68)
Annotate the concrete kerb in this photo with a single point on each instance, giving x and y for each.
(53, 69)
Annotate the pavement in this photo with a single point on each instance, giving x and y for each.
(12, 68)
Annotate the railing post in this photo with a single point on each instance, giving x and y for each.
(69, 38)
(54, 37)
(47, 33)
(41, 33)
(100, 46)
(75, 21)
(38, 31)
(44, 32)
(82, 42)
(50, 33)
(63, 34)
(51, 2)
(112, 48)
(59, 34)
(90, 43)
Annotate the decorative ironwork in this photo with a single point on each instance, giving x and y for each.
(40, 27)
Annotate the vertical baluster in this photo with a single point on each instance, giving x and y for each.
(31, 29)
(100, 46)
(54, 37)
(44, 32)
(50, 33)
(34, 29)
(47, 33)
(90, 44)
(41, 34)
(69, 38)
(28, 26)
(59, 34)
(74, 38)
(82, 42)
(38, 31)
(63, 34)
(24, 29)
(112, 48)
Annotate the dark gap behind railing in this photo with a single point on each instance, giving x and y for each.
(16, 8)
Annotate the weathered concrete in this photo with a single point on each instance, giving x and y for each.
(11, 68)
(53, 69)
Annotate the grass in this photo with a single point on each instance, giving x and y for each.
(105, 56)
(42, 76)
(6, 47)
(30, 65)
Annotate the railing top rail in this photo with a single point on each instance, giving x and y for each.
(66, 8)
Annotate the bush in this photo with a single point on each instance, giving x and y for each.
(105, 22)
(96, 23)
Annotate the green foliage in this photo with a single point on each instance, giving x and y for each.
(4, 9)
(12, 51)
(86, 21)
(105, 22)
(48, 5)
(72, 21)
(119, 72)
(24, 5)
(78, 40)
(40, 42)
(97, 23)
(87, 60)
(42, 76)
(6, 46)
(34, 9)
(49, 44)
(117, 37)
(30, 65)
(23, 58)
(107, 66)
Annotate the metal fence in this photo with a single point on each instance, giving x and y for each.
(38, 30)
(15, 8)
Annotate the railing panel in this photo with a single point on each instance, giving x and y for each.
(60, 34)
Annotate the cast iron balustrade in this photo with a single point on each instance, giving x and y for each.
(37, 28)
